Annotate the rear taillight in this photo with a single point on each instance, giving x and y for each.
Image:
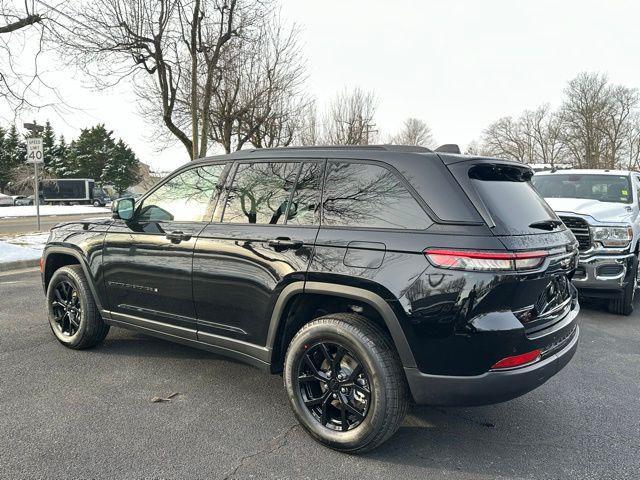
(41, 264)
(517, 360)
(484, 260)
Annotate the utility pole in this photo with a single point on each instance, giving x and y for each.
(359, 131)
(35, 155)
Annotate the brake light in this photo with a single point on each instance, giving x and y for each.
(484, 260)
(518, 360)
(41, 264)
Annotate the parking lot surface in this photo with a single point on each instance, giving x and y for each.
(90, 414)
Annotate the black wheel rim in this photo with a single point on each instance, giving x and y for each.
(66, 308)
(333, 385)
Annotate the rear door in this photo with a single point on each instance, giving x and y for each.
(262, 239)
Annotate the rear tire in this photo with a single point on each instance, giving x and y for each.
(364, 395)
(73, 315)
(623, 305)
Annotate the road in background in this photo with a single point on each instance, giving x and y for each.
(10, 225)
(89, 414)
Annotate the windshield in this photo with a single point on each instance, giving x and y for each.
(604, 188)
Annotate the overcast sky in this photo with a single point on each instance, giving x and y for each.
(457, 64)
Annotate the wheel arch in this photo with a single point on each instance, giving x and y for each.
(56, 257)
(296, 304)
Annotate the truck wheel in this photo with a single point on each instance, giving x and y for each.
(96, 203)
(623, 305)
(73, 315)
(345, 382)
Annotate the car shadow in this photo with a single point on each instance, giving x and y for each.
(127, 343)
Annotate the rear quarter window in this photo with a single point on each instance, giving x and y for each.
(369, 196)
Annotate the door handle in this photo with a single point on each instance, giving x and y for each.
(285, 243)
(177, 236)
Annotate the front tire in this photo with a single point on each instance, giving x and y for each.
(74, 317)
(623, 305)
(345, 382)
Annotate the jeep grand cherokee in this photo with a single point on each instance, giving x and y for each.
(366, 276)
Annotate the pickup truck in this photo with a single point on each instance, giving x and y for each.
(601, 208)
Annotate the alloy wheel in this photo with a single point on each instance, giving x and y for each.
(66, 307)
(334, 386)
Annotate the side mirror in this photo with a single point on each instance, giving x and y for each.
(123, 208)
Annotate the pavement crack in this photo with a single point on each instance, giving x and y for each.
(273, 446)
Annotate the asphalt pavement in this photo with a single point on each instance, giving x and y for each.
(90, 414)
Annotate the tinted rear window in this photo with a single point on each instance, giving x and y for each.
(510, 198)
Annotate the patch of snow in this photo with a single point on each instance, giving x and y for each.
(30, 210)
(23, 247)
(12, 253)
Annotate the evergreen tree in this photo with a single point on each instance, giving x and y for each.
(122, 168)
(59, 165)
(5, 168)
(48, 145)
(16, 148)
(89, 153)
(12, 154)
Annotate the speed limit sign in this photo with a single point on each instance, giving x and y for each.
(34, 150)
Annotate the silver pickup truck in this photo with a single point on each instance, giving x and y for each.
(601, 207)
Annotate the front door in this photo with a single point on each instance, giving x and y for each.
(263, 240)
(148, 260)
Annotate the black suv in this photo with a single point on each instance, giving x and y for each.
(366, 276)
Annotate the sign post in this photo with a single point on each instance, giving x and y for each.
(35, 155)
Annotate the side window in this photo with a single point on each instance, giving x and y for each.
(187, 197)
(363, 195)
(637, 178)
(305, 205)
(260, 193)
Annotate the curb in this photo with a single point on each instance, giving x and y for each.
(19, 264)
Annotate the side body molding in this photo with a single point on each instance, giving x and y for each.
(375, 301)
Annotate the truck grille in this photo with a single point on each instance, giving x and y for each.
(580, 229)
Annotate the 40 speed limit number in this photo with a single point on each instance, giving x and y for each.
(34, 150)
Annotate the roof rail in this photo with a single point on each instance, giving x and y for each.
(383, 148)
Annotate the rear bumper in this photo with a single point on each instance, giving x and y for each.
(591, 272)
(490, 387)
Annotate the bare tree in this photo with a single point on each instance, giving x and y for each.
(22, 26)
(414, 132)
(16, 18)
(632, 144)
(172, 49)
(258, 98)
(350, 118)
(507, 138)
(584, 116)
(544, 129)
(477, 148)
(309, 128)
(622, 103)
